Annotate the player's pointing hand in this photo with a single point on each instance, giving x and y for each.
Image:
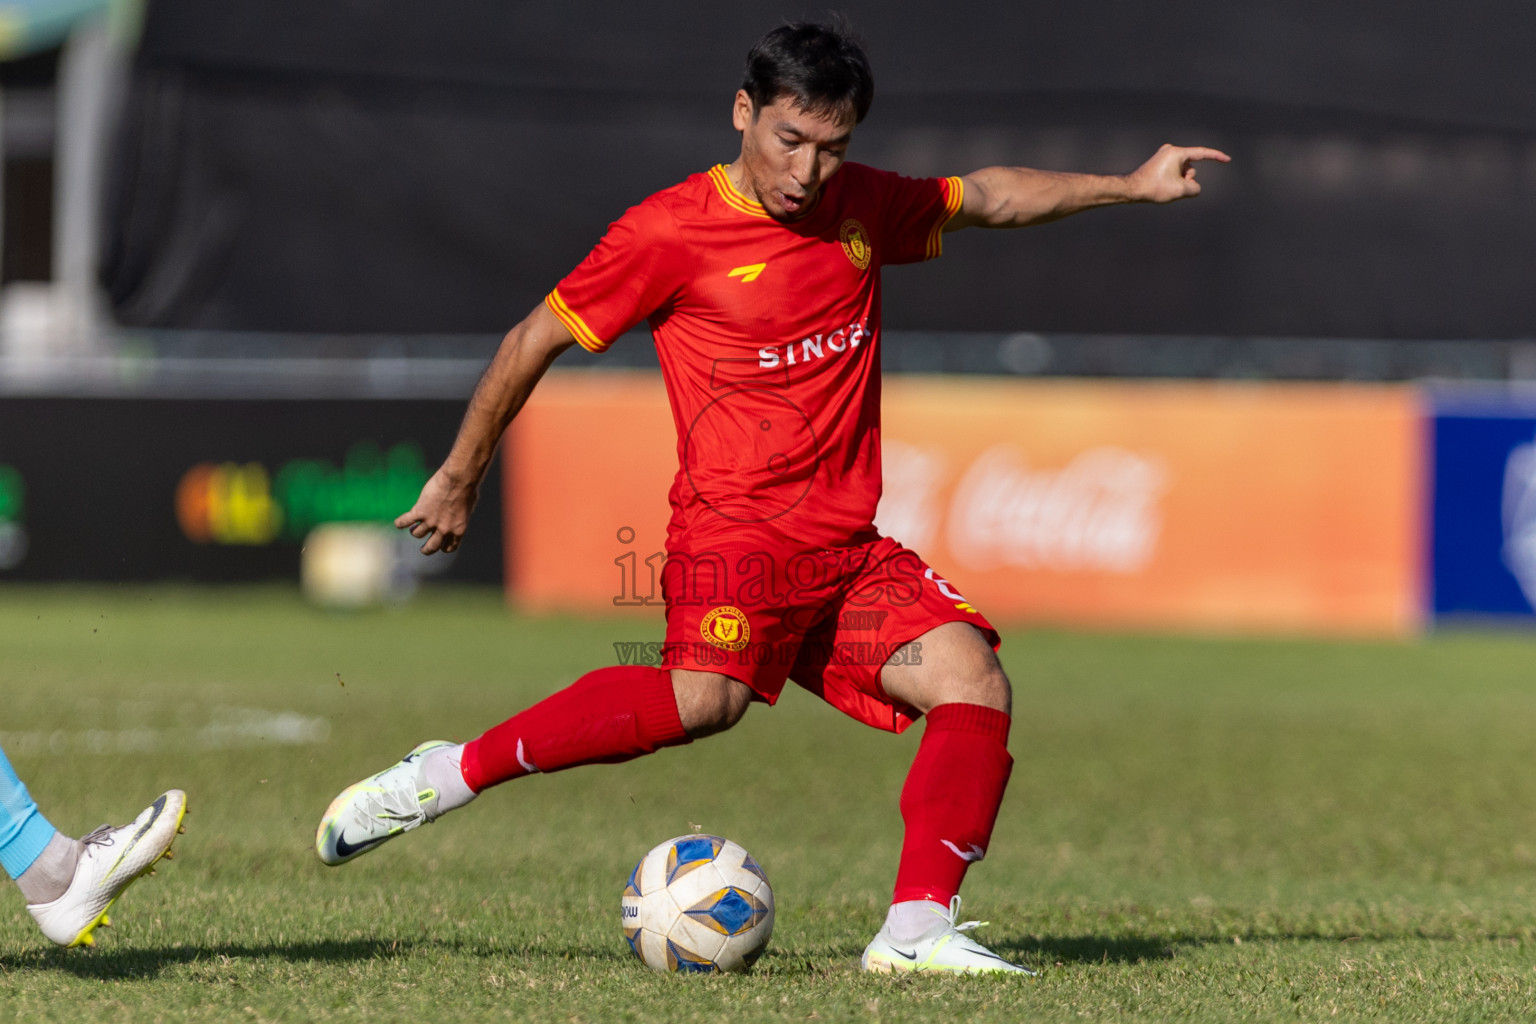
(441, 513)
(1170, 174)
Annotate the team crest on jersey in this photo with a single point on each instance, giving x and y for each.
(726, 627)
(856, 243)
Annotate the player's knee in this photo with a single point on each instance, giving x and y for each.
(993, 689)
(708, 702)
(957, 666)
(982, 679)
(975, 675)
(987, 686)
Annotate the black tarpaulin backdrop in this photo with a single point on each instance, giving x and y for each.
(382, 166)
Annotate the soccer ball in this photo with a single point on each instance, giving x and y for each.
(698, 904)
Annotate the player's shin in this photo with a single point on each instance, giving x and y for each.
(950, 800)
(31, 850)
(605, 717)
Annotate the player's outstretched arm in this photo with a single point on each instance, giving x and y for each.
(1016, 197)
(441, 513)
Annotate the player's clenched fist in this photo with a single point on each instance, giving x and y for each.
(1170, 174)
(441, 513)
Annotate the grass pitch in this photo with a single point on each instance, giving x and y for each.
(1196, 828)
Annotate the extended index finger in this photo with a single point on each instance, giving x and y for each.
(1205, 153)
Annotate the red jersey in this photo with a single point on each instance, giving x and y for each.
(768, 335)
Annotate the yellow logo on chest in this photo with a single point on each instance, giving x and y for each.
(856, 243)
(749, 273)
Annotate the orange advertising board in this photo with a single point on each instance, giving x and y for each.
(1145, 504)
(588, 463)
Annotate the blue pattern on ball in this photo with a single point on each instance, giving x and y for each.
(685, 961)
(751, 865)
(733, 911)
(690, 850)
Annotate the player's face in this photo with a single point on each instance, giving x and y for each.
(787, 154)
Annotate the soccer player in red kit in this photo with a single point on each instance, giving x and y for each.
(760, 281)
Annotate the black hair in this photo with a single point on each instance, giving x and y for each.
(822, 66)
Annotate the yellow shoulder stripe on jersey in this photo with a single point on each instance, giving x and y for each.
(584, 335)
(733, 198)
(750, 273)
(954, 195)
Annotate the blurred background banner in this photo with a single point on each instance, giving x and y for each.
(1263, 507)
(323, 165)
(1484, 554)
(586, 468)
(256, 252)
(1269, 507)
(212, 491)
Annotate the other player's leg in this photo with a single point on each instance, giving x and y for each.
(605, 717)
(69, 884)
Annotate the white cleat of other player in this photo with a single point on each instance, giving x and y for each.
(110, 860)
(365, 815)
(944, 947)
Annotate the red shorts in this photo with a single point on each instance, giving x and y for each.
(830, 619)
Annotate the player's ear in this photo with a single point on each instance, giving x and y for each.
(744, 111)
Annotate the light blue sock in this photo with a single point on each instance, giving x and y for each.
(24, 832)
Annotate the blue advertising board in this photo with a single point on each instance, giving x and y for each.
(1483, 547)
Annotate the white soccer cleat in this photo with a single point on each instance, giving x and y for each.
(366, 814)
(111, 859)
(942, 948)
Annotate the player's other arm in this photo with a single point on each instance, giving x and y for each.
(441, 513)
(1016, 197)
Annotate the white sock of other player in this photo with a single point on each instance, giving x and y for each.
(49, 876)
(440, 771)
(905, 922)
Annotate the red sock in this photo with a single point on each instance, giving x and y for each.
(951, 798)
(607, 716)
